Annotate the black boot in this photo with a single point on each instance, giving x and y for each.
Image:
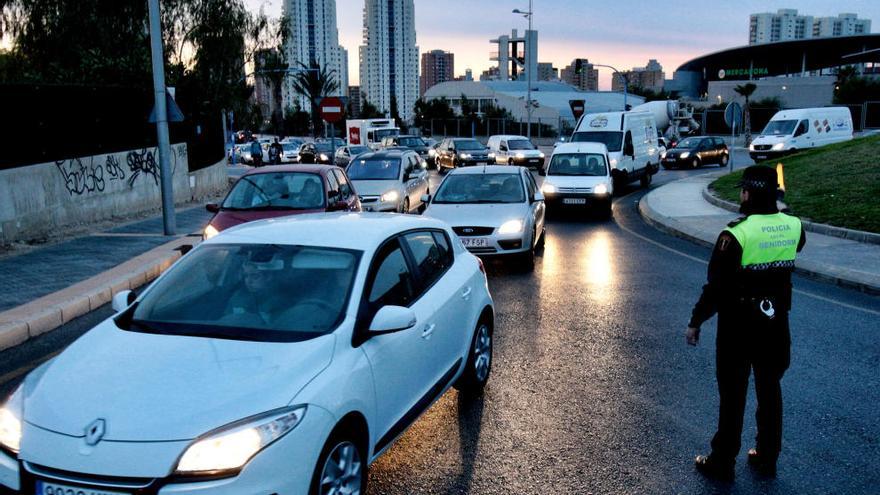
(709, 467)
(764, 465)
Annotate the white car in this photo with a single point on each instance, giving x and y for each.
(579, 176)
(494, 209)
(281, 356)
(516, 150)
(390, 180)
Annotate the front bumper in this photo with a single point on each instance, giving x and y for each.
(534, 161)
(577, 200)
(496, 244)
(373, 203)
(285, 466)
(767, 154)
(485, 160)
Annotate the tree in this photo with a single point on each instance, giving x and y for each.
(369, 111)
(428, 111)
(649, 94)
(854, 89)
(296, 121)
(315, 82)
(746, 91)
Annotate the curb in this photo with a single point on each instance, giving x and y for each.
(812, 270)
(22, 323)
(819, 228)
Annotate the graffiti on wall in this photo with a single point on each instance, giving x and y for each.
(89, 175)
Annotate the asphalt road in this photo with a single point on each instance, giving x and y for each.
(593, 389)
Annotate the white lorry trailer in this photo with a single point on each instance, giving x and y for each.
(369, 132)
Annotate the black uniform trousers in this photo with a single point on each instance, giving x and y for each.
(749, 341)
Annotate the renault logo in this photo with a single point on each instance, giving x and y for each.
(95, 431)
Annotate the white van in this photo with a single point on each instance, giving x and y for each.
(516, 150)
(631, 139)
(802, 128)
(579, 176)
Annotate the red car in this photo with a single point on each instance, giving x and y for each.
(284, 190)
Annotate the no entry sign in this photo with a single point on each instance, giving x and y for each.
(332, 109)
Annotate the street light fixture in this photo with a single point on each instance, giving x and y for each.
(528, 15)
(625, 81)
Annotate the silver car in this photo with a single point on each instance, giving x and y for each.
(390, 180)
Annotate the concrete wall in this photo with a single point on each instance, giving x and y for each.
(38, 199)
(794, 92)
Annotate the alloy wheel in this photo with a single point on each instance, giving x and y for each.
(343, 471)
(482, 352)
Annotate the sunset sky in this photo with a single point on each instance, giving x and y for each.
(622, 33)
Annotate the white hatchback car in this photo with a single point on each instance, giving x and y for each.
(494, 209)
(390, 180)
(578, 176)
(279, 357)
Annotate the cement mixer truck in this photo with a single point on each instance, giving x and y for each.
(673, 119)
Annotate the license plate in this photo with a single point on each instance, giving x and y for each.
(761, 157)
(44, 488)
(574, 201)
(533, 160)
(475, 241)
(481, 163)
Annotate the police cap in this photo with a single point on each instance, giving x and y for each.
(758, 178)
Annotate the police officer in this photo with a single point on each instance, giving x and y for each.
(749, 286)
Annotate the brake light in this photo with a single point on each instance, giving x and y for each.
(482, 268)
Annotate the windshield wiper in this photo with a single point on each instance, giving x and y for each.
(262, 192)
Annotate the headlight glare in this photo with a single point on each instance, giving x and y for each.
(751, 147)
(210, 231)
(520, 156)
(600, 189)
(548, 188)
(432, 152)
(686, 154)
(10, 422)
(390, 197)
(324, 157)
(778, 146)
(231, 448)
(464, 156)
(540, 154)
(511, 227)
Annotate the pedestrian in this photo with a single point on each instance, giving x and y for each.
(275, 152)
(749, 286)
(256, 152)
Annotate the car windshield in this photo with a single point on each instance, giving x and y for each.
(689, 143)
(411, 141)
(468, 144)
(324, 147)
(259, 292)
(611, 139)
(290, 147)
(586, 164)
(374, 169)
(481, 188)
(779, 127)
(520, 144)
(277, 191)
(357, 150)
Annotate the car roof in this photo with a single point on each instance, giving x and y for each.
(306, 168)
(346, 230)
(387, 153)
(509, 137)
(465, 139)
(486, 169)
(581, 147)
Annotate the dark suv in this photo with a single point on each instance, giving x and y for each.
(414, 143)
(460, 152)
(693, 152)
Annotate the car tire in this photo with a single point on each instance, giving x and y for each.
(478, 367)
(540, 244)
(725, 159)
(695, 163)
(344, 453)
(645, 180)
(404, 206)
(527, 260)
(424, 206)
(510, 162)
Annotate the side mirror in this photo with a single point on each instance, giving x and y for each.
(337, 206)
(212, 207)
(392, 319)
(542, 171)
(426, 198)
(123, 300)
(538, 197)
(332, 193)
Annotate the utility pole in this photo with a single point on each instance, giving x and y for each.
(529, 55)
(168, 219)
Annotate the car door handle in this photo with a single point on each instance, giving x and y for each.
(428, 330)
(466, 294)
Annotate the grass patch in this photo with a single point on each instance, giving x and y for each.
(836, 185)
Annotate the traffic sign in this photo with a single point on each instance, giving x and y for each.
(577, 108)
(332, 109)
(733, 114)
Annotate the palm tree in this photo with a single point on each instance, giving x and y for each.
(746, 90)
(315, 82)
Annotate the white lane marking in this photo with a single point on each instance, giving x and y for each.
(797, 291)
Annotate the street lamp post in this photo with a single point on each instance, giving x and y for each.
(528, 15)
(169, 221)
(625, 81)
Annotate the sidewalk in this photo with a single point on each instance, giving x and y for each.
(47, 287)
(680, 209)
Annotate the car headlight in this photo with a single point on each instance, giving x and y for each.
(464, 156)
(686, 154)
(231, 447)
(662, 155)
(613, 162)
(751, 147)
(432, 152)
(540, 154)
(511, 227)
(210, 231)
(324, 157)
(778, 146)
(520, 156)
(548, 188)
(600, 189)
(10, 422)
(390, 197)
(491, 155)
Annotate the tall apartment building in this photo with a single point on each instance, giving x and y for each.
(313, 38)
(581, 74)
(546, 72)
(649, 77)
(787, 25)
(437, 67)
(354, 100)
(264, 91)
(389, 57)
